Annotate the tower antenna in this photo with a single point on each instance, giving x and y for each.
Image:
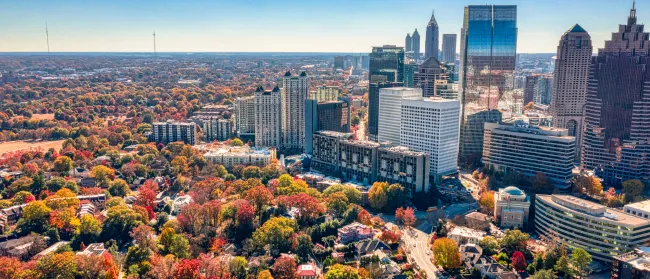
(47, 37)
(154, 43)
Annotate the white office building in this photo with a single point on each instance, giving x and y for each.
(294, 93)
(431, 125)
(245, 116)
(268, 117)
(390, 111)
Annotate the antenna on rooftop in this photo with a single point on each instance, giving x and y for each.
(154, 43)
(47, 37)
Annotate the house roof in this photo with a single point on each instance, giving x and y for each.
(370, 245)
(306, 270)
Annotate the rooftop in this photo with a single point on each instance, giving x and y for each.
(642, 206)
(593, 210)
(466, 232)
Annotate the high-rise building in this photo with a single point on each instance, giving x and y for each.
(416, 44)
(430, 74)
(634, 264)
(449, 48)
(538, 89)
(616, 139)
(386, 64)
(373, 106)
(245, 115)
(408, 42)
(487, 64)
(430, 125)
(409, 74)
(570, 82)
(328, 116)
(529, 150)
(339, 62)
(325, 93)
(390, 111)
(294, 94)
(432, 43)
(173, 131)
(217, 129)
(268, 117)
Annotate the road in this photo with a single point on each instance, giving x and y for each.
(417, 246)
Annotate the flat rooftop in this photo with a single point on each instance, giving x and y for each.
(641, 206)
(593, 210)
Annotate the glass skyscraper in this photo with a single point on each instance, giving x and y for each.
(386, 64)
(487, 64)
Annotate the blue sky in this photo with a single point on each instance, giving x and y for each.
(284, 26)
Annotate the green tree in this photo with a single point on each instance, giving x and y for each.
(238, 267)
(275, 233)
(490, 245)
(562, 266)
(304, 247)
(543, 274)
(63, 164)
(119, 188)
(179, 246)
(337, 203)
(396, 196)
(119, 223)
(633, 190)
(35, 217)
(236, 142)
(514, 240)
(580, 259)
(102, 175)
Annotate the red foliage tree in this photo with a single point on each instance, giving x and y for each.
(245, 212)
(147, 194)
(409, 216)
(364, 217)
(308, 207)
(390, 236)
(259, 196)
(518, 261)
(188, 269)
(284, 268)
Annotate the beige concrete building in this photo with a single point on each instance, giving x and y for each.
(511, 207)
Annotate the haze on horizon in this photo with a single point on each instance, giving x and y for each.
(287, 26)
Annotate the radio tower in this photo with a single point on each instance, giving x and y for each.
(154, 43)
(47, 38)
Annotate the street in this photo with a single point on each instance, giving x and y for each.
(417, 246)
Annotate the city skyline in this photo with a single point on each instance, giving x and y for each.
(240, 27)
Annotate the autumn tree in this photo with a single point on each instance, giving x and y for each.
(364, 217)
(57, 265)
(102, 175)
(10, 268)
(119, 188)
(264, 274)
(588, 184)
(377, 195)
(276, 233)
(63, 164)
(445, 253)
(188, 269)
(259, 196)
(542, 184)
(486, 201)
(35, 217)
(337, 203)
(237, 267)
(308, 207)
(339, 271)
(284, 268)
(518, 261)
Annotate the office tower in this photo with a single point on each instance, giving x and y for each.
(529, 89)
(601, 231)
(268, 117)
(365, 62)
(245, 115)
(487, 65)
(570, 82)
(415, 45)
(325, 93)
(430, 125)
(431, 43)
(390, 110)
(511, 207)
(294, 93)
(386, 64)
(173, 131)
(339, 62)
(616, 137)
(538, 89)
(408, 42)
(329, 116)
(529, 150)
(449, 48)
(430, 73)
(217, 129)
(409, 74)
(373, 106)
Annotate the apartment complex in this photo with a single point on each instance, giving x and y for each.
(217, 129)
(268, 117)
(172, 131)
(294, 94)
(325, 116)
(511, 207)
(230, 156)
(245, 115)
(601, 231)
(530, 150)
(390, 110)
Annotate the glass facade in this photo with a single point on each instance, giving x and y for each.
(386, 64)
(487, 65)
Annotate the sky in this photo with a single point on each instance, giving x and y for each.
(282, 26)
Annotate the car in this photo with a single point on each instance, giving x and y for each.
(428, 252)
(415, 244)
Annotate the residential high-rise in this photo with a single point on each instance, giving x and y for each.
(570, 82)
(173, 131)
(487, 64)
(430, 125)
(373, 106)
(390, 111)
(268, 117)
(529, 89)
(529, 150)
(339, 62)
(245, 115)
(431, 73)
(449, 48)
(616, 139)
(431, 42)
(408, 42)
(325, 93)
(328, 116)
(294, 94)
(217, 129)
(416, 44)
(386, 64)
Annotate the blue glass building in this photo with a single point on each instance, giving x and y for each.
(487, 64)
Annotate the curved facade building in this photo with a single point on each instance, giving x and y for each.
(601, 231)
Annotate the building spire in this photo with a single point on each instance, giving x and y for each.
(433, 21)
(632, 19)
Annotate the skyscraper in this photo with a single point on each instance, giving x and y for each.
(390, 111)
(408, 42)
(430, 73)
(570, 82)
(245, 116)
(449, 48)
(294, 94)
(416, 44)
(325, 116)
(373, 106)
(432, 40)
(268, 117)
(616, 139)
(387, 64)
(487, 65)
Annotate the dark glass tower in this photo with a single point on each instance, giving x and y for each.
(408, 42)
(415, 44)
(431, 42)
(487, 64)
(616, 142)
(386, 64)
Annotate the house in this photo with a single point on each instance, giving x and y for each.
(338, 257)
(463, 235)
(369, 246)
(50, 249)
(12, 213)
(490, 268)
(87, 182)
(18, 248)
(86, 208)
(354, 232)
(470, 253)
(477, 220)
(93, 249)
(308, 271)
(181, 202)
(138, 182)
(6, 175)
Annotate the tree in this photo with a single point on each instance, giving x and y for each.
(119, 188)
(180, 165)
(337, 203)
(377, 195)
(179, 246)
(364, 217)
(588, 184)
(57, 265)
(633, 190)
(251, 172)
(284, 268)
(542, 184)
(264, 274)
(562, 266)
(102, 175)
(89, 229)
(487, 201)
(409, 217)
(389, 236)
(580, 259)
(10, 268)
(276, 233)
(395, 195)
(338, 271)
(514, 240)
(352, 193)
(119, 223)
(490, 245)
(518, 261)
(308, 207)
(543, 274)
(35, 217)
(304, 247)
(145, 237)
(188, 269)
(238, 267)
(22, 197)
(259, 196)
(63, 164)
(445, 253)
(21, 184)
